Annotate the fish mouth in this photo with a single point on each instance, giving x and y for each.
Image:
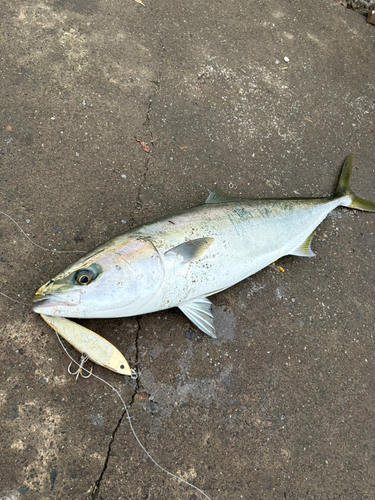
(41, 303)
(52, 302)
(37, 299)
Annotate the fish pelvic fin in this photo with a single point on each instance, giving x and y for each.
(198, 310)
(344, 189)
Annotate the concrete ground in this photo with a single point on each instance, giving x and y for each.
(262, 97)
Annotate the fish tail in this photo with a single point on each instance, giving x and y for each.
(344, 189)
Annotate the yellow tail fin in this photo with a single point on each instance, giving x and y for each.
(344, 188)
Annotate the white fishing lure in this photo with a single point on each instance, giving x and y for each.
(89, 343)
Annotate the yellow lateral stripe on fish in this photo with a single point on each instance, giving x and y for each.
(87, 342)
(181, 259)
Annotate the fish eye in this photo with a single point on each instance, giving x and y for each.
(84, 277)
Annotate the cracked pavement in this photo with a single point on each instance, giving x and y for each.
(263, 98)
(95, 491)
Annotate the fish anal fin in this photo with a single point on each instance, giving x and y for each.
(304, 250)
(192, 249)
(198, 310)
(218, 196)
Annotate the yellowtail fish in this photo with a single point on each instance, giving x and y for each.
(89, 343)
(180, 260)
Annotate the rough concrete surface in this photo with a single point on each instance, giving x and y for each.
(281, 405)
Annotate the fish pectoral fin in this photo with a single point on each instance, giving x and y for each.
(199, 312)
(304, 250)
(192, 249)
(218, 196)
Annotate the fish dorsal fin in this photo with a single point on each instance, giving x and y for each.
(304, 250)
(199, 312)
(192, 249)
(218, 196)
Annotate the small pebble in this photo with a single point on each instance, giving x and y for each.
(286, 59)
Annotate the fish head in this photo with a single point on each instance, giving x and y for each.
(117, 279)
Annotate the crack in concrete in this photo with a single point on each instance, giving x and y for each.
(138, 202)
(95, 491)
(137, 382)
(94, 494)
(147, 124)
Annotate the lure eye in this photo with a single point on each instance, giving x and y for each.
(84, 277)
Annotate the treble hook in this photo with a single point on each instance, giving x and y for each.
(79, 370)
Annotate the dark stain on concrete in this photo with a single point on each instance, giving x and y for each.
(52, 477)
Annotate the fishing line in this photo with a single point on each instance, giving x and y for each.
(128, 417)
(14, 300)
(36, 244)
(39, 246)
(82, 368)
